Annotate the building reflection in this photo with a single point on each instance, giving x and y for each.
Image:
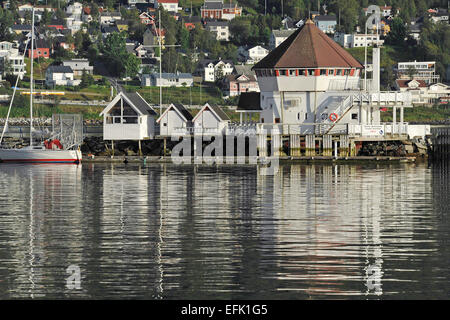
(36, 223)
(163, 231)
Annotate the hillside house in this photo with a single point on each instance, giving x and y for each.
(78, 66)
(167, 80)
(60, 76)
(211, 70)
(220, 29)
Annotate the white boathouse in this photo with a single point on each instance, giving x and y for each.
(210, 120)
(128, 117)
(176, 120)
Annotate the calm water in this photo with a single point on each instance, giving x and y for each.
(185, 232)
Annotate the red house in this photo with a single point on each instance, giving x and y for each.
(57, 24)
(41, 50)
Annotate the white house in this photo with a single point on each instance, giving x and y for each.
(168, 5)
(74, 9)
(278, 36)
(109, 17)
(358, 40)
(220, 29)
(210, 120)
(252, 55)
(167, 80)
(78, 66)
(422, 93)
(11, 61)
(176, 120)
(128, 117)
(60, 76)
(211, 70)
(422, 70)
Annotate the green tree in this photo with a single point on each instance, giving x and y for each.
(398, 32)
(86, 80)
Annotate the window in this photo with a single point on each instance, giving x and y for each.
(306, 116)
(277, 120)
(323, 72)
(354, 116)
(298, 116)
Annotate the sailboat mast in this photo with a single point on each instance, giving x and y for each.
(31, 79)
(160, 64)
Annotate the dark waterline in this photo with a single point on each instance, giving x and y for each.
(227, 232)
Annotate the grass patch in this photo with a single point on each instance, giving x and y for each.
(185, 95)
(420, 114)
(45, 110)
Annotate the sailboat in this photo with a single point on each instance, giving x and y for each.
(51, 151)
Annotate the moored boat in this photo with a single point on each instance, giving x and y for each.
(51, 151)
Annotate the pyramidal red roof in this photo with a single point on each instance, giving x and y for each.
(308, 47)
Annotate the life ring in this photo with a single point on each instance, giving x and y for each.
(53, 144)
(333, 117)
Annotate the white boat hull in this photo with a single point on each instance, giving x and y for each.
(28, 155)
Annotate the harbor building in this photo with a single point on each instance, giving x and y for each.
(312, 90)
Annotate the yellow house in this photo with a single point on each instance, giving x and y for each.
(122, 25)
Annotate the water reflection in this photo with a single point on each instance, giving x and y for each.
(164, 231)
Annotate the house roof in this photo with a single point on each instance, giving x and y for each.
(308, 47)
(110, 29)
(404, 83)
(249, 101)
(325, 18)
(139, 103)
(282, 33)
(60, 69)
(193, 19)
(216, 110)
(212, 6)
(41, 43)
(205, 62)
(186, 114)
(25, 27)
(235, 77)
(172, 75)
(180, 109)
(215, 23)
(244, 69)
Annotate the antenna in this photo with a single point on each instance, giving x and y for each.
(31, 79)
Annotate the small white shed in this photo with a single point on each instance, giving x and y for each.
(176, 120)
(211, 119)
(128, 117)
